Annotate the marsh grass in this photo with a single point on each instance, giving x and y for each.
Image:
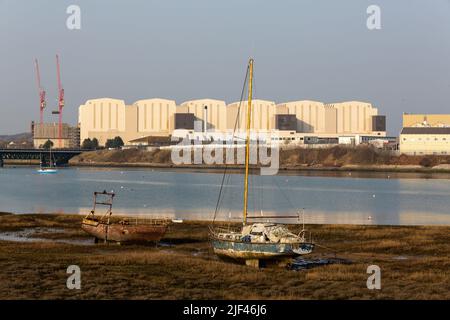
(415, 264)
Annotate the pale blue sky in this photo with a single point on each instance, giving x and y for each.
(316, 49)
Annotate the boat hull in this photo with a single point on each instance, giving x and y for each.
(239, 250)
(47, 171)
(124, 233)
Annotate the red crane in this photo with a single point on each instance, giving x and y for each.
(60, 102)
(41, 91)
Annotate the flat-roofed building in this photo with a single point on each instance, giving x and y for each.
(425, 140)
(426, 120)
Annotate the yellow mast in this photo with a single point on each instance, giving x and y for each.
(247, 141)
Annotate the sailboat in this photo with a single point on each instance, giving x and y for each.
(254, 243)
(51, 168)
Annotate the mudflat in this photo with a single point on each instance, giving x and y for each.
(36, 250)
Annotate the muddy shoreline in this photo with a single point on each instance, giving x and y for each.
(234, 168)
(415, 264)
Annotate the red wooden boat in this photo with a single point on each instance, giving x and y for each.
(106, 228)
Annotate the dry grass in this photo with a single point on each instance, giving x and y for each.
(188, 269)
(124, 156)
(362, 157)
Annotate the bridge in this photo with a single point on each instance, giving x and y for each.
(58, 156)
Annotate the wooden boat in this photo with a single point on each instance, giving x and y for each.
(123, 230)
(257, 242)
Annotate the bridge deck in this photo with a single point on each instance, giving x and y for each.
(59, 156)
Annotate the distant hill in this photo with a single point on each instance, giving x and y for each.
(25, 136)
(16, 138)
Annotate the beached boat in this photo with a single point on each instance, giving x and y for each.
(257, 242)
(121, 230)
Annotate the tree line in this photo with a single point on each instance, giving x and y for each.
(93, 144)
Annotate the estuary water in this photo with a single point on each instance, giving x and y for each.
(384, 199)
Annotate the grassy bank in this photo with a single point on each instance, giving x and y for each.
(339, 158)
(414, 262)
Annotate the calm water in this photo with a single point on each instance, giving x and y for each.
(382, 199)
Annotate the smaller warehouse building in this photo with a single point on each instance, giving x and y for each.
(425, 140)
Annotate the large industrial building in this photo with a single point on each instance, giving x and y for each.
(212, 113)
(424, 134)
(338, 118)
(155, 116)
(107, 118)
(262, 115)
(42, 132)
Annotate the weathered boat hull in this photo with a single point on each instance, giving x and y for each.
(124, 233)
(249, 250)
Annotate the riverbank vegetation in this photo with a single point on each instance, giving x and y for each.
(414, 262)
(335, 158)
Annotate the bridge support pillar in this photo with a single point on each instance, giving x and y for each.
(1, 162)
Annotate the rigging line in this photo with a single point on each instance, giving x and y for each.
(221, 192)
(252, 193)
(222, 197)
(252, 172)
(260, 195)
(232, 139)
(281, 191)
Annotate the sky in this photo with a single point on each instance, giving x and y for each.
(183, 50)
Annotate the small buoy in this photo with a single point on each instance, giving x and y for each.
(369, 218)
(373, 196)
(121, 187)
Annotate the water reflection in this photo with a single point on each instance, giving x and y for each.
(333, 198)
